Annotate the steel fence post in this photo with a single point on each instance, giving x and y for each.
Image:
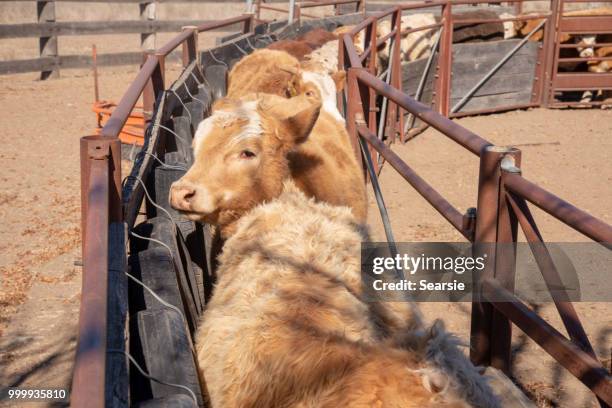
(354, 108)
(154, 87)
(370, 115)
(395, 67)
(190, 46)
(298, 13)
(444, 70)
(505, 263)
(342, 66)
(551, 39)
(249, 24)
(484, 246)
(100, 203)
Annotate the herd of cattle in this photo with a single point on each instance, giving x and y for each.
(274, 171)
(289, 323)
(322, 47)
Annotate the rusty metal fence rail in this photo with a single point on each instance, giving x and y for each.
(103, 223)
(502, 206)
(294, 9)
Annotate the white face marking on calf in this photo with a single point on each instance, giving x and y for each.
(205, 128)
(223, 119)
(587, 51)
(509, 29)
(326, 86)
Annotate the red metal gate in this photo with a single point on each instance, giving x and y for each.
(575, 27)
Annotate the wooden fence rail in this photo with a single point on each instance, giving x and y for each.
(48, 64)
(47, 30)
(93, 27)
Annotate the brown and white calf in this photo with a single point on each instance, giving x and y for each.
(247, 148)
(601, 66)
(323, 59)
(278, 73)
(288, 325)
(305, 44)
(414, 45)
(266, 71)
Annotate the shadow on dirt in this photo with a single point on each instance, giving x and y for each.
(46, 360)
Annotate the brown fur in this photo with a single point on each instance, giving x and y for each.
(318, 37)
(298, 49)
(523, 28)
(324, 167)
(287, 327)
(601, 66)
(273, 72)
(265, 71)
(526, 26)
(601, 52)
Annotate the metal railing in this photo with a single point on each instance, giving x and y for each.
(502, 205)
(553, 26)
(443, 48)
(103, 213)
(294, 9)
(576, 81)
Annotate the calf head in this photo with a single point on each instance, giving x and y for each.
(240, 156)
(586, 48)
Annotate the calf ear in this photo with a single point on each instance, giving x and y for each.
(339, 79)
(296, 128)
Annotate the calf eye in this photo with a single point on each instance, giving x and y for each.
(246, 154)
